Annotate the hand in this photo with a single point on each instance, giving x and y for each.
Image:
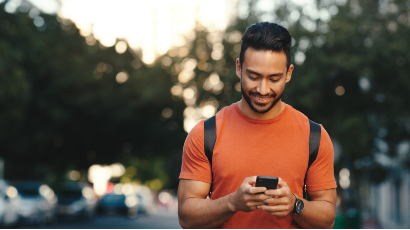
(246, 198)
(281, 200)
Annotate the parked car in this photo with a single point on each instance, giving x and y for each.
(38, 202)
(76, 200)
(118, 202)
(9, 205)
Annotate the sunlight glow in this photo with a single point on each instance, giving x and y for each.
(47, 6)
(153, 26)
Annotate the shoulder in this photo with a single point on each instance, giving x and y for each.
(295, 114)
(325, 142)
(196, 135)
(325, 147)
(325, 154)
(195, 165)
(321, 172)
(197, 132)
(226, 111)
(298, 121)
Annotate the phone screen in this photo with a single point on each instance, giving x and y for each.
(269, 182)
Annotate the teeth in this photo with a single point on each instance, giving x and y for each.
(263, 99)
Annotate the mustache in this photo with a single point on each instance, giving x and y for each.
(254, 93)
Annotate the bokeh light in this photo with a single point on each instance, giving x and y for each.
(117, 170)
(121, 47)
(11, 191)
(188, 93)
(167, 113)
(74, 175)
(300, 57)
(340, 90)
(131, 201)
(165, 197)
(344, 178)
(176, 90)
(208, 111)
(121, 77)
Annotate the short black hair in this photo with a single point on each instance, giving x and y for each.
(266, 36)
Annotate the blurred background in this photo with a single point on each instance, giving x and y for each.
(97, 97)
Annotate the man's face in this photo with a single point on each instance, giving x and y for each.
(263, 77)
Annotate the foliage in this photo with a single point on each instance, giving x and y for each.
(61, 107)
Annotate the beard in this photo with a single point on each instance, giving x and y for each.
(257, 107)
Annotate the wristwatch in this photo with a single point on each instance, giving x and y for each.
(298, 208)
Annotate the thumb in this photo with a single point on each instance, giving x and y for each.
(251, 180)
(282, 183)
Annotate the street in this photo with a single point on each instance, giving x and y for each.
(158, 220)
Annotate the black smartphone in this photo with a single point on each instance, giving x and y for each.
(269, 182)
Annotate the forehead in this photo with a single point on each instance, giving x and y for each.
(264, 60)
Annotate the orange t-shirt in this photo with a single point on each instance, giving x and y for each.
(247, 147)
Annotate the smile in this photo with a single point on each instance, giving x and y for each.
(261, 101)
(262, 98)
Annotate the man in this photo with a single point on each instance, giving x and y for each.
(259, 135)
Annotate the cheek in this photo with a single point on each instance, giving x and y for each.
(279, 86)
(248, 84)
(279, 89)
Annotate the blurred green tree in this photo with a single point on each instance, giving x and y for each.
(64, 104)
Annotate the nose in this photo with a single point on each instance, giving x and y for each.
(263, 87)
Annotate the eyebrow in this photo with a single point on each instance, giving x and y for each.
(272, 75)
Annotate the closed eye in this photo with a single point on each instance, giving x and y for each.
(252, 78)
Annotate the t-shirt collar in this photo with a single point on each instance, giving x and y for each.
(256, 121)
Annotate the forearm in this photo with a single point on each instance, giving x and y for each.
(316, 214)
(205, 213)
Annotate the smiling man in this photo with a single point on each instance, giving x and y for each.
(259, 135)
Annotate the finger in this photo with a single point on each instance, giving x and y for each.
(277, 201)
(280, 192)
(251, 180)
(254, 204)
(256, 198)
(247, 184)
(273, 208)
(256, 190)
(282, 183)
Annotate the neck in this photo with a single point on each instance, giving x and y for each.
(274, 112)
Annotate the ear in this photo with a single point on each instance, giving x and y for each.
(289, 73)
(238, 68)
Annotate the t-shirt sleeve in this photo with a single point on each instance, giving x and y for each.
(320, 175)
(195, 165)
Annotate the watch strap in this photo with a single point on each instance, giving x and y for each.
(294, 205)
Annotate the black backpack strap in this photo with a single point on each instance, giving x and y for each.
(209, 140)
(314, 143)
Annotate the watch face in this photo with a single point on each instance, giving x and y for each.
(299, 206)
